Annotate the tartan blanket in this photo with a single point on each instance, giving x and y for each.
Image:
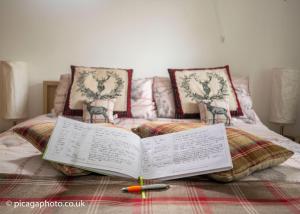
(101, 194)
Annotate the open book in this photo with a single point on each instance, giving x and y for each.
(114, 151)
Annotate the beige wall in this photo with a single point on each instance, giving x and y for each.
(151, 36)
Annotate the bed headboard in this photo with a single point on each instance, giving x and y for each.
(49, 89)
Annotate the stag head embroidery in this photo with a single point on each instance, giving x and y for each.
(205, 85)
(101, 83)
(206, 94)
(100, 93)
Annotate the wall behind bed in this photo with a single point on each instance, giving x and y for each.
(150, 36)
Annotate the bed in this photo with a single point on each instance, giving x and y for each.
(26, 178)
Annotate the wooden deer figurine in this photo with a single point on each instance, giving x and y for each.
(95, 110)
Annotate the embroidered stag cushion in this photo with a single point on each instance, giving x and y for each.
(249, 153)
(61, 93)
(99, 111)
(193, 85)
(91, 83)
(142, 105)
(212, 112)
(163, 96)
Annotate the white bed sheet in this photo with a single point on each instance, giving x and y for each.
(17, 156)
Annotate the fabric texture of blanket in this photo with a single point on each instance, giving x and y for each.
(101, 194)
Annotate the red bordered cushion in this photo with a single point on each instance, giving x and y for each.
(189, 79)
(91, 83)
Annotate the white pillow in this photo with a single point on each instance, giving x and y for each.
(61, 94)
(241, 85)
(142, 104)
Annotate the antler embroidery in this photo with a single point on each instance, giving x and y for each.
(92, 95)
(221, 93)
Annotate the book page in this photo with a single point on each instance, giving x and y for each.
(192, 152)
(94, 147)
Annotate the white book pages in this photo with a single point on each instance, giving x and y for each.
(95, 147)
(192, 152)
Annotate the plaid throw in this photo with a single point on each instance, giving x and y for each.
(249, 153)
(158, 127)
(38, 135)
(101, 194)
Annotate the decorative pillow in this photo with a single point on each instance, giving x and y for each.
(214, 112)
(241, 85)
(249, 153)
(142, 105)
(91, 83)
(38, 135)
(193, 85)
(164, 97)
(61, 93)
(159, 127)
(99, 111)
(69, 170)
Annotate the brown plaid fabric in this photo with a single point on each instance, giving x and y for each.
(101, 194)
(159, 127)
(38, 135)
(249, 153)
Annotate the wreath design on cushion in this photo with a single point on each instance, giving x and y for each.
(220, 95)
(99, 93)
(92, 95)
